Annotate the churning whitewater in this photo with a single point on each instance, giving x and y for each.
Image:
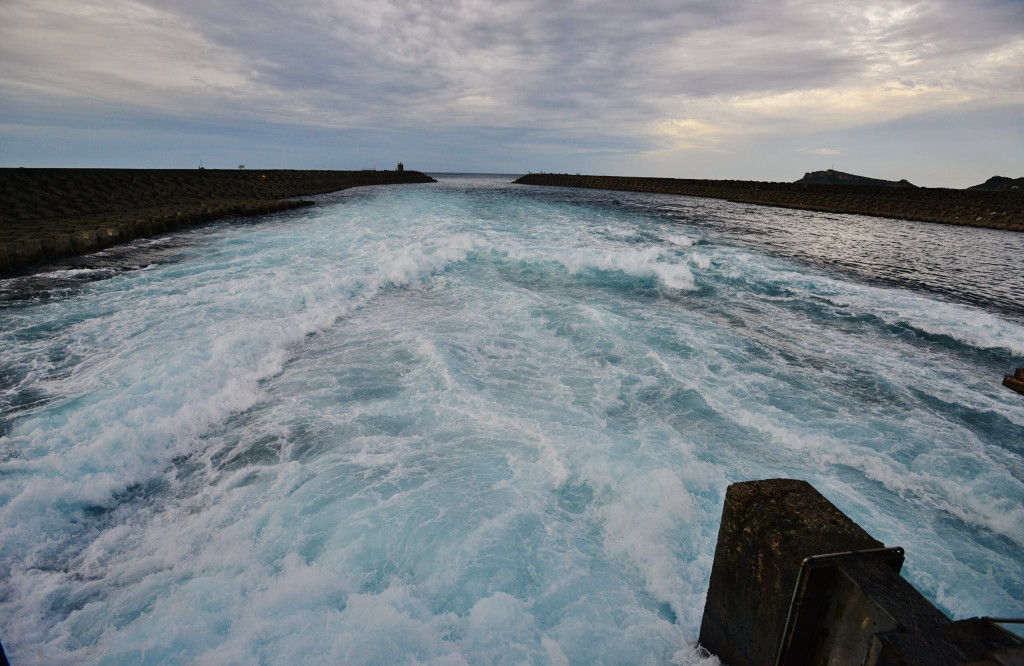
(475, 422)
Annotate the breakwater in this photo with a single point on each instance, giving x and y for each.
(973, 208)
(48, 214)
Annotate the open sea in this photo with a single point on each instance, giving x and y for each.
(476, 422)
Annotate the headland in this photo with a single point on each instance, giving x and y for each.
(49, 214)
(833, 177)
(971, 207)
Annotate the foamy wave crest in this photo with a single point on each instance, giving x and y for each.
(978, 499)
(679, 240)
(413, 261)
(701, 261)
(660, 263)
(968, 325)
(969, 501)
(636, 526)
(971, 326)
(128, 408)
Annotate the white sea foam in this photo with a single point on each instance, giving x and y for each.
(639, 263)
(701, 261)
(138, 410)
(680, 240)
(637, 525)
(659, 263)
(390, 432)
(972, 326)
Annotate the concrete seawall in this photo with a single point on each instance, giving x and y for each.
(795, 581)
(49, 214)
(972, 208)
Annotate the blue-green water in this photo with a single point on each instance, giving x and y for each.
(475, 422)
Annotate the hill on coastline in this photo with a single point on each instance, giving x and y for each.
(833, 177)
(1000, 184)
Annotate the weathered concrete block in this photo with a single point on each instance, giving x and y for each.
(84, 241)
(142, 227)
(5, 258)
(63, 245)
(49, 246)
(33, 250)
(107, 236)
(795, 582)
(16, 254)
(971, 642)
(768, 528)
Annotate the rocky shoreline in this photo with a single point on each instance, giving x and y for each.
(972, 208)
(48, 214)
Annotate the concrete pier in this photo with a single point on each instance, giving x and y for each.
(796, 581)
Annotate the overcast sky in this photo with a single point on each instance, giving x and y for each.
(929, 91)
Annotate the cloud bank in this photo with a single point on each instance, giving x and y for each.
(649, 85)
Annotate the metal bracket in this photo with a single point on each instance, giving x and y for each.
(892, 556)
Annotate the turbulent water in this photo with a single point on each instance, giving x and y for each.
(489, 423)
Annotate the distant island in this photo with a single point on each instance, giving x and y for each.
(833, 177)
(986, 207)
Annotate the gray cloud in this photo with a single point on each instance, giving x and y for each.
(655, 76)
